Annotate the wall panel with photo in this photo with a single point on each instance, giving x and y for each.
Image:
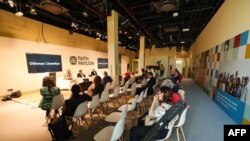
(227, 76)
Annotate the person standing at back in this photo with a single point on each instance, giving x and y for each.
(48, 91)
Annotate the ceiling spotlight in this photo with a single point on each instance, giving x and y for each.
(130, 37)
(85, 14)
(182, 42)
(11, 3)
(185, 29)
(33, 11)
(74, 24)
(175, 14)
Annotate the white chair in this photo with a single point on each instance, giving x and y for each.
(123, 91)
(107, 86)
(57, 103)
(80, 113)
(170, 128)
(104, 98)
(93, 104)
(133, 89)
(115, 116)
(115, 95)
(131, 107)
(123, 81)
(181, 123)
(111, 133)
(138, 101)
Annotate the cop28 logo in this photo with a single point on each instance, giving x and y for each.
(73, 60)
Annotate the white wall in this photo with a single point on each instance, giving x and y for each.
(124, 62)
(14, 72)
(151, 60)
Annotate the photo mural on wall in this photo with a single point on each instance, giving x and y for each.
(227, 76)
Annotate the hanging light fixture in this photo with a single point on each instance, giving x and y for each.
(19, 13)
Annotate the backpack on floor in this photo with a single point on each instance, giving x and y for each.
(59, 129)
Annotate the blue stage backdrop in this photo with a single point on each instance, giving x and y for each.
(38, 63)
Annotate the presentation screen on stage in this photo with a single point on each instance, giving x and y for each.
(102, 63)
(38, 63)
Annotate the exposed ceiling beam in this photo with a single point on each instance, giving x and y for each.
(126, 10)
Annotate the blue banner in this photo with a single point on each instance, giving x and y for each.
(231, 105)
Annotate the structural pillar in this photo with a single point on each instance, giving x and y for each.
(113, 52)
(141, 63)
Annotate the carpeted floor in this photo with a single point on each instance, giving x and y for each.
(21, 120)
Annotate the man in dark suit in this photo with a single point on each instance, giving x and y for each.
(80, 74)
(151, 82)
(106, 78)
(93, 72)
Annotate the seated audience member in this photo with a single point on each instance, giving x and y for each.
(93, 72)
(68, 75)
(157, 110)
(175, 88)
(48, 91)
(96, 87)
(150, 83)
(175, 78)
(71, 104)
(80, 74)
(127, 76)
(106, 79)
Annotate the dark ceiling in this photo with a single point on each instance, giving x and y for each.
(166, 23)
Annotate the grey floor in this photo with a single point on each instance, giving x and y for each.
(205, 120)
(24, 122)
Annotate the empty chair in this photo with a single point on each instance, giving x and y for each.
(115, 95)
(93, 104)
(131, 107)
(138, 101)
(80, 113)
(107, 86)
(170, 128)
(57, 102)
(115, 116)
(104, 98)
(132, 90)
(111, 133)
(181, 123)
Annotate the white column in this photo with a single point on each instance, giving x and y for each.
(141, 54)
(113, 52)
